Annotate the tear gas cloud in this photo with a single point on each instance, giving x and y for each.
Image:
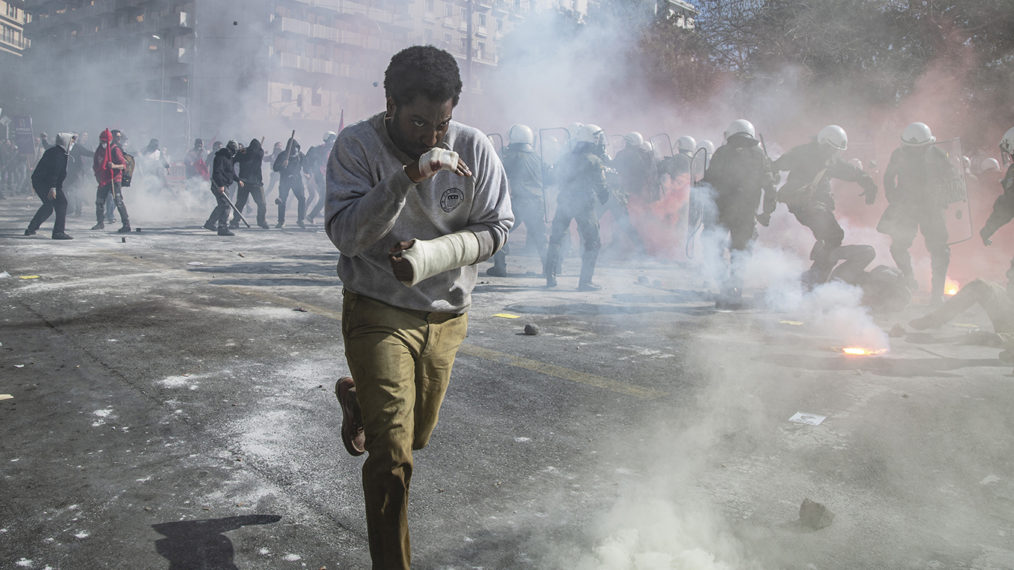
(556, 75)
(665, 516)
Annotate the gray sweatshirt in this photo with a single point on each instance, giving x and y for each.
(372, 205)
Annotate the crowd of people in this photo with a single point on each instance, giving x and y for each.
(231, 170)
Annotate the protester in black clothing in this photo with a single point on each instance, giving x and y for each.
(316, 160)
(47, 181)
(249, 161)
(290, 165)
(223, 174)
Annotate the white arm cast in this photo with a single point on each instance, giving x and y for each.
(430, 257)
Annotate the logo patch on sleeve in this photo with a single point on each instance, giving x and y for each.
(451, 199)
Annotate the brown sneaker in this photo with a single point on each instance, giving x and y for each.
(352, 420)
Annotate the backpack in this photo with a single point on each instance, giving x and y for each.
(128, 172)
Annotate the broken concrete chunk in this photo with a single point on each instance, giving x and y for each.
(531, 329)
(814, 515)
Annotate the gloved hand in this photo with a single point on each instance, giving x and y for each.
(437, 159)
(870, 193)
(764, 218)
(985, 237)
(52, 193)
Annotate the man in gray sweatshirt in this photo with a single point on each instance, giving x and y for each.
(414, 202)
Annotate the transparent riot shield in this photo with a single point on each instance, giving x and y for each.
(959, 212)
(701, 207)
(497, 140)
(663, 144)
(554, 142)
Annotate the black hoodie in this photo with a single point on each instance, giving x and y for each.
(250, 161)
(223, 172)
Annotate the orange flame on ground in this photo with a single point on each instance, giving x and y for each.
(951, 287)
(860, 351)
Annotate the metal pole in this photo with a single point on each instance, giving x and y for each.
(161, 110)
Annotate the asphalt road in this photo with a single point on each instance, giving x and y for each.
(171, 407)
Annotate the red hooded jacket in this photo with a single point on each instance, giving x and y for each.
(105, 158)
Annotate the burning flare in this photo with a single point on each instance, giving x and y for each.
(951, 287)
(860, 351)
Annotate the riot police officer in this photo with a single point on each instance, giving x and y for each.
(581, 177)
(807, 193)
(738, 174)
(919, 183)
(525, 171)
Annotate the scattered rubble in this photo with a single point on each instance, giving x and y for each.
(814, 515)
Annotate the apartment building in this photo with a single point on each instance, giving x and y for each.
(13, 18)
(178, 69)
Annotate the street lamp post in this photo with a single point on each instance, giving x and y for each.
(180, 108)
(161, 96)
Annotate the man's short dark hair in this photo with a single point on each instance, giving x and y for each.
(422, 70)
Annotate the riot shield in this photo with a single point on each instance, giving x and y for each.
(497, 140)
(553, 144)
(958, 215)
(663, 150)
(700, 203)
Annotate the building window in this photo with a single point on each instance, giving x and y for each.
(481, 52)
(429, 6)
(448, 10)
(317, 99)
(482, 20)
(286, 95)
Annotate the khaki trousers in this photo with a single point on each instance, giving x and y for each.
(401, 362)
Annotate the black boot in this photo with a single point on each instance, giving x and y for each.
(499, 268)
(588, 260)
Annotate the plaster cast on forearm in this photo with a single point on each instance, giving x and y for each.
(431, 257)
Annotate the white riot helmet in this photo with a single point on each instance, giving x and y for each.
(686, 145)
(520, 134)
(591, 134)
(966, 163)
(989, 165)
(707, 145)
(741, 127)
(917, 134)
(330, 136)
(573, 131)
(634, 139)
(834, 137)
(646, 146)
(857, 163)
(1007, 144)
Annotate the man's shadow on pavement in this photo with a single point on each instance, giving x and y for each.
(202, 543)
